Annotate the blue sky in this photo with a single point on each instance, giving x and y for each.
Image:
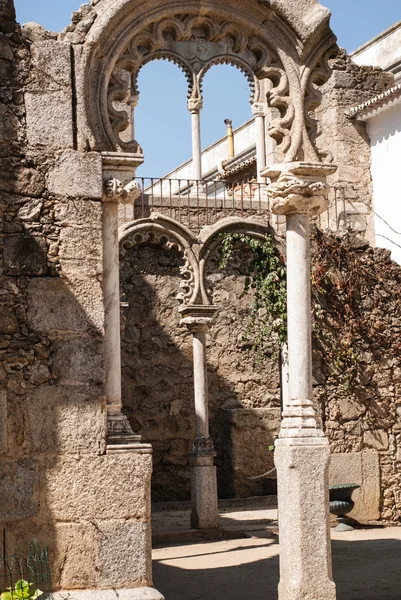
(162, 120)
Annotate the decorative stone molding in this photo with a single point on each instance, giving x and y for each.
(258, 109)
(166, 232)
(197, 317)
(203, 445)
(296, 66)
(195, 105)
(116, 191)
(119, 432)
(299, 188)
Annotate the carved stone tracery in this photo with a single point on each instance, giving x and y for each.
(149, 235)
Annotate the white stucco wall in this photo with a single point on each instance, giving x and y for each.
(383, 51)
(244, 138)
(385, 135)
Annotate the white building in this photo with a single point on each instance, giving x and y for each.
(382, 115)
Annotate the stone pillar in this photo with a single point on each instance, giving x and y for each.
(205, 512)
(299, 190)
(195, 106)
(258, 109)
(133, 101)
(119, 432)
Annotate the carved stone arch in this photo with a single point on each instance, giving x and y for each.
(284, 42)
(210, 239)
(242, 66)
(170, 57)
(168, 233)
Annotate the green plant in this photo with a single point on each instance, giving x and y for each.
(22, 590)
(266, 277)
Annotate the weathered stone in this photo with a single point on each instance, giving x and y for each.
(18, 499)
(25, 255)
(5, 50)
(377, 439)
(78, 361)
(77, 174)
(124, 554)
(8, 321)
(363, 469)
(65, 420)
(63, 312)
(93, 482)
(49, 119)
(31, 210)
(3, 422)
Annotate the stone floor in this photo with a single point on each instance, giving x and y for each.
(366, 562)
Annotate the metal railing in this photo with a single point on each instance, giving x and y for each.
(195, 203)
(18, 570)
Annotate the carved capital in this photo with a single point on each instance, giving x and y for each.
(197, 318)
(203, 445)
(195, 105)
(116, 191)
(299, 187)
(258, 109)
(119, 430)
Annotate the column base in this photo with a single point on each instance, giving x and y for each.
(304, 523)
(205, 509)
(142, 593)
(120, 437)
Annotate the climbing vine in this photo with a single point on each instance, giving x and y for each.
(340, 281)
(266, 277)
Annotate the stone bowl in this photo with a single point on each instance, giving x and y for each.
(341, 504)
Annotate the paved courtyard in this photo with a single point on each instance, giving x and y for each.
(366, 562)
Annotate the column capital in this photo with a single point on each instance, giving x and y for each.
(116, 191)
(299, 187)
(197, 317)
(195, 105)
(258, 109)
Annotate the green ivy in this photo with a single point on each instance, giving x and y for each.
(266, 277)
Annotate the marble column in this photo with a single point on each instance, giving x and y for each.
(119, 433)
(258, 109)
(195, 106)
(205, 512)
(298, 191)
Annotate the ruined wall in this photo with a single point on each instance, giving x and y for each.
(55, 478)
(347, 142)
(158, 379)
(360, 415)
(359, 386)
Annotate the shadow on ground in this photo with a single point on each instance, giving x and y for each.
(242, 569)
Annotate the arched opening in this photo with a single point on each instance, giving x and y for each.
(162, 123)
(226, 95)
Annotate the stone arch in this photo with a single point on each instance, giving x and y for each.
(209, 239)
(253, 82)
(159, 229)
(285, 43)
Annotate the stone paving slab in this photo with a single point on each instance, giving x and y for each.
(366, 565)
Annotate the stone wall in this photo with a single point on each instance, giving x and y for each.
(57, 483)
(361, 420)
(158, 380)
(347, 142)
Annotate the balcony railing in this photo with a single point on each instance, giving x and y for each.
(196, 204)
